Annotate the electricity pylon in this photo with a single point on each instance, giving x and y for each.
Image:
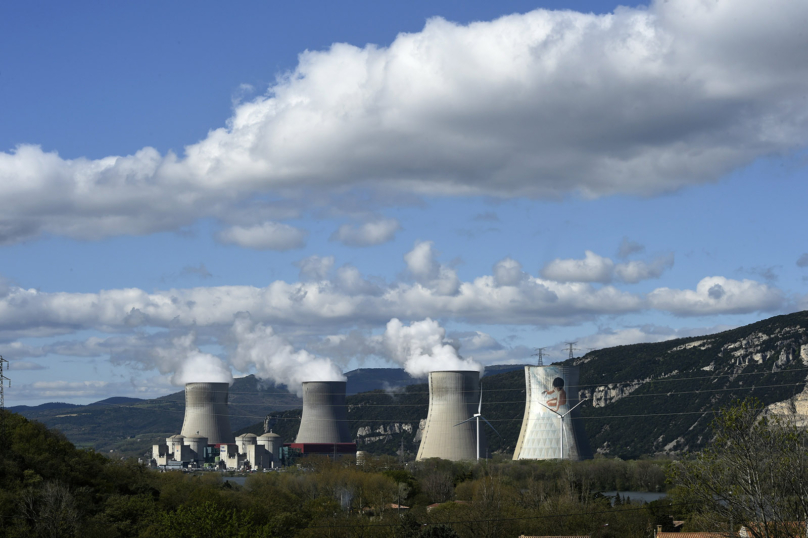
(540, 354)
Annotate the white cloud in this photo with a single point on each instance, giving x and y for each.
(639, 101)
(718, 295)
(350, 281)
(638, 270)
(423, 266)
(315, 267)
(62, 389)
(367, 234)
(266, 236)
(330, 302)
(508, 272)
(351, 300)
(608, 337)
(592, 268)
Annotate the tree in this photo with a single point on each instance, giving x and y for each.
(753, 473)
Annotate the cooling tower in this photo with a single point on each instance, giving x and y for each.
(325, 417)
(551, 391)
(206, 413)
(453, 397)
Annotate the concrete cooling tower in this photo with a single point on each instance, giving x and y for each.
(453, 398)
(549, 429)
(325, 417)
(206, 413)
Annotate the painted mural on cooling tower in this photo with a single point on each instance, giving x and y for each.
(549, 429)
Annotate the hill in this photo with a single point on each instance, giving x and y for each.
(644, 398)
(660, 398)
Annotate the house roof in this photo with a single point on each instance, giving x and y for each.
(691, 535)
(553, 536)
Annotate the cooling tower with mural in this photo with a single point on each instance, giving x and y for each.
(549, 429)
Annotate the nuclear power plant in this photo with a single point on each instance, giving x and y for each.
(551, 427)
(207, 441)
(324, 422)
(453, 398)
(206, 412)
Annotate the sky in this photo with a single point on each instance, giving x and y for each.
(200, 191)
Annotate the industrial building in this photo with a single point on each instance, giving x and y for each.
(551, 427)
(324, 422)
(453, 398)
(206, 412)
(207, 441)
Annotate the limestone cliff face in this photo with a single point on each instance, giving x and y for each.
(668, 392)
(794, 409)
(384, 432)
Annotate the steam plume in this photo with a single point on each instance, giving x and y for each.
(420, 348)
(275, 359)
(189, 364)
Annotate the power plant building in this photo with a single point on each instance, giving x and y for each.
(551, 428)
(453, 398)
(207, 440)
(324, 421)
(206, 413)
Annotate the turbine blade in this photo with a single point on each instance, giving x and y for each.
(480, 407)
(492, 426)
(467, 420)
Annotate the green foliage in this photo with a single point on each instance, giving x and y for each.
(50, 488)
(205, 520)
(753, 473)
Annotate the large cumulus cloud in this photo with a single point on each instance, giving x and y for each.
(542, 104)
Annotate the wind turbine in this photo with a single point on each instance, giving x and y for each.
(560, 424)
(478, 415)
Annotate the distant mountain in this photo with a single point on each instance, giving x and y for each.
(118, 400)
(368, 379)
(22, 409)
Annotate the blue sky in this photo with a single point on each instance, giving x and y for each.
(196, 191)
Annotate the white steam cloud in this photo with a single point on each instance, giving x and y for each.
(420, 348)
(275, 359)
(189, 364)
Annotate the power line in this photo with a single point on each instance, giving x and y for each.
(3, 380)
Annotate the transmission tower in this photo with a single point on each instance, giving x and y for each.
(3, 380)
(572, 348)
(540, 354)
